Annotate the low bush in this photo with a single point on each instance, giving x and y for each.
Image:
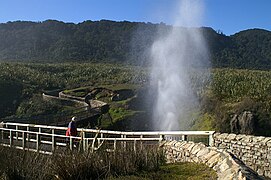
(101, 164)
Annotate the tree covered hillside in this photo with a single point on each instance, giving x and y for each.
(249, 49)
(129, 42)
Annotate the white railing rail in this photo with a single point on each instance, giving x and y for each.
(46, 139)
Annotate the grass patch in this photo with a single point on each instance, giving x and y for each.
(185, 170)
(204, 123)
(120, 113)
(79, 92)
(116, 87)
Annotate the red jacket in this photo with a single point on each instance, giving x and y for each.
(72, 129)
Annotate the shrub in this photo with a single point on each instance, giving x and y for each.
(67, 165)
(17, 164)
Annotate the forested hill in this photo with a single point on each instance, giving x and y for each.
(110, 41)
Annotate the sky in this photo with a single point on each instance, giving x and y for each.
(227, 16)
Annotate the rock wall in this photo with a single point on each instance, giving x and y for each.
(254, 151)
(243, 123)
(63, 95)
(226, 165)
(67, 101)
(104, 107)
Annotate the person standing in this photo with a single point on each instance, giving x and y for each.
(72, 129)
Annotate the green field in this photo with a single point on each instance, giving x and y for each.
(184, 170)
(225, 91)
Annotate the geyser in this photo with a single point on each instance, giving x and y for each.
(177, 51)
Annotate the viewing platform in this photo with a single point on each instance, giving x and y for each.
(47, 139)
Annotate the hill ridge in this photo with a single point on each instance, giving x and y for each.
(122, 42)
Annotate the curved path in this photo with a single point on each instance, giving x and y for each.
(82, 110)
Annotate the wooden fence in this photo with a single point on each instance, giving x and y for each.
(48, 139)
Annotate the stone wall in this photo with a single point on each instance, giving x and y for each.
(254, 151)
(226, 165)
(104, 107)
(66, 101)
(63, 95)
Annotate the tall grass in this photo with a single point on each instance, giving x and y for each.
(16, 164)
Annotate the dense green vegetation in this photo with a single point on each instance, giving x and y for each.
(123, 100)
(129, 42)
(68, 165)
(20, 81)
(146, 163)
(226, 92)
(233, 91)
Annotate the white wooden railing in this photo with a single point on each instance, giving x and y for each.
(47, 139)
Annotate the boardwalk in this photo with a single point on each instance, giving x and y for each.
(48, 139)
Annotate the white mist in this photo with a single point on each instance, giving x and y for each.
(174, 54)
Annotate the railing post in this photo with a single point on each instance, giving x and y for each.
(211, 140)
(37, 142)
(92, 145)
(53, 140)
(16, 127)
(124, 144)
(141, 143)
(115, 145)
(83, 140)
(2, 134)
(23, 140)
(71, 143)
(87, 147)
(27, 129)
(99, 141)
(40, 131)
(162, 137)
(184, 137)
(10, 138)
(134, 145)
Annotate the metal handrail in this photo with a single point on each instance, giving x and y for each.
(52, 135)
(117, 132)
